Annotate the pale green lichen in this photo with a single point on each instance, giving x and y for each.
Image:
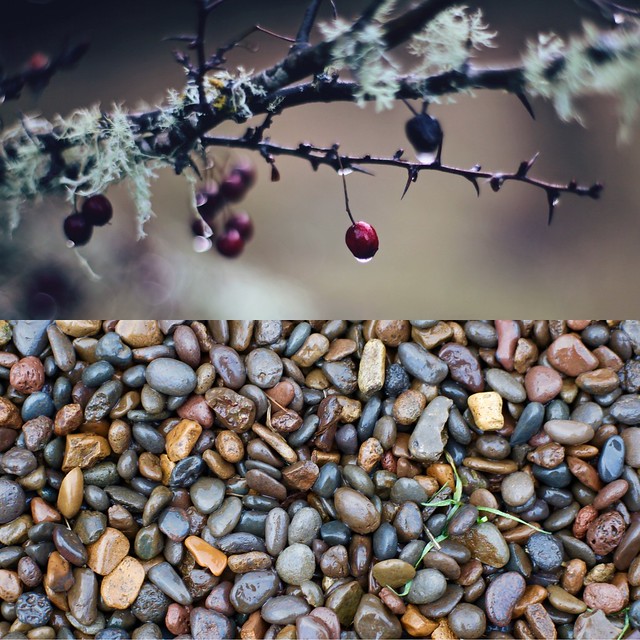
(363, 54)
(594, 63)
(449, 40)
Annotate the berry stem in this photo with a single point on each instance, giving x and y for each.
(344, 187)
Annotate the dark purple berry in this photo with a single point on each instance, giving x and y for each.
(233, 187)
(246, 170)
(77, 228)
(200, 228)
(230, 243)
(241, 221)
(362, 240)
(209, 202)
(97, 210)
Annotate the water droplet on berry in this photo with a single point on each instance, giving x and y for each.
(201, 244)
(364, 260)
(426, 157)
(345, 172)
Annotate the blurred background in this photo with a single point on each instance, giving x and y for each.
(442, 249)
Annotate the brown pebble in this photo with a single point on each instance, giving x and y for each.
(177, 618)
(540, 622)
(393, 332)
(139, 333)
(107, 551)
(84, 450)
(548, 456)
(569, 355)
(573, 576)
(250, 561)
(230, 446)
(501, 467)
(9, 414)
(42, 511)
(610, 494)
(206, 555)
(10, 585)
(68, 419)
(301, 475)
(59, 577)
(602, 572)
(27, 375)
(392, 601)
(408, 406)
(583, 520)
(255, 628)
(417, 625)
(181, 439)
(120, 588)
(587, 474)
(605, 532)
(70, 495)
(601, 595)
(542, 384)
(369, 454)
(533, 594)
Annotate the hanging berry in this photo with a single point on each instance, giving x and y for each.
(97, 210)
(230, 243)
(77, 228)
(362, 240)
(241, 221)
(425, 134)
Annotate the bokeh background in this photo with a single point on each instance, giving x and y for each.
(443, 251)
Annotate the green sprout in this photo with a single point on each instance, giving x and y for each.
(627, 624)
(454, 504)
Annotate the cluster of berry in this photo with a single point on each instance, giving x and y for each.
(231, 232)
(96, 211)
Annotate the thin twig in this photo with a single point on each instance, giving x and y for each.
(304, 32)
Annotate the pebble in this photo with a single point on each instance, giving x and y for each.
(371, 373)
(611, 460)
(12, 500)
(486, 409)
(304, 526)
(467, 621)
(84, 450)
(296, 564)
(71, 493)
(251, 590)
(356, 510)
(517, 489)
(428, 439)
(569, 432)
(373, 620)
(164, 577)
(284, 609)
(485, 541)
(108, 551)
(463, 366)
(83, 596)
(595, 624)
(542, 384)
(422, 364)
(506, 385)
(428, 586)
(502, 595)
(171, 377)
(605, 532)
(10, 586)
(569, 355)
(120, 587)
(606, 597)
(206, 555)
(206, 624)
(393, 573)
(545, 551)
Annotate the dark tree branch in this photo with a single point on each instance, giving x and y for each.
(330, 156)
(304, 32)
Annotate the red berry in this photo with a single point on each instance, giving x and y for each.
(246, 170)
(77, 228)
(209, 202)
(97, 210)
(38, 61)
(233, 187)
(241, 221)
(230, 243)
(362, 240)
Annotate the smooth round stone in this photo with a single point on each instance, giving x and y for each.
(328, 480)
(421, 363)
(69, 546)
(357, 478)
(493, 446)
(611, 460)
(207, 494)
(296, 564)
(134, 377)
(163, 575)
(408, 522)
(356, 510)
(304, 526)
(545, 551)
(128, 498)
(529, 423)
(506, 385)
(481, 333)
(463, 519)
(393, 573)
(517, 488)
(558, 478)
(171, 377)
(373, 620)
(174, 524)
(149, 542)
(296, 338)
(467, 621)
(210, 624)
(305, 432)
(335, 532)
(385, 542)
(568, 432)
(229, 366)
(30, 336)
(186, 472)
(251, 590)
(368, 419)
(240, 543)
(111, 349)
(83, 596)
(223, 520)
(151, 604)
(626, 409)
(275, 531)
(309, 628)
(464, 366)
(97, 373)
(12, 500)
(37, 404)
(284, 609)
(149, 438)
(502, 595)
(428, 586)
(405, 489)
(264, 368)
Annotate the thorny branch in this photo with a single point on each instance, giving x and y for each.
(300, 78)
